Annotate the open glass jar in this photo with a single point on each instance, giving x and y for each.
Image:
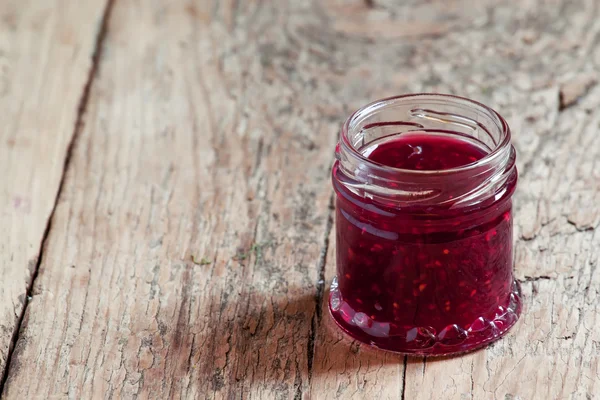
(425, 256)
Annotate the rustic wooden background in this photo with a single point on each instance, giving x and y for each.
(167, 210)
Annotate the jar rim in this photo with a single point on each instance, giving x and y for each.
(497, 153)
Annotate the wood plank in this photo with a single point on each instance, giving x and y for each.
(516, 59)
(207, 134)
(45, 59)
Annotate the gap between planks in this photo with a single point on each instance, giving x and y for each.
(317, 316)
(81, 108)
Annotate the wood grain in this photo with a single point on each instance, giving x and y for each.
(192, 237)
(206, 135)
(45, 59)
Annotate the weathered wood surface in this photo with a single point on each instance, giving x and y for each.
(45, 59)
(209, 133)
(195, 143)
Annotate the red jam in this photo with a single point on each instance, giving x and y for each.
(424, 151)
(434, 279)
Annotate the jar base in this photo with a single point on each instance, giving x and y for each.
(425, 341)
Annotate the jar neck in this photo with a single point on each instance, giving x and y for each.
(456, 188)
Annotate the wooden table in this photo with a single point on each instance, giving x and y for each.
(167, 212)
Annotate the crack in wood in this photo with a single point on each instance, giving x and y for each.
(472, 380)
(403, 391)
(317, 316)
(81, 108)
(535, 278)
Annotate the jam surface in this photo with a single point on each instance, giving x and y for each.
(430, 280)
(424, 152)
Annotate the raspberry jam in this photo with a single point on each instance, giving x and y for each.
(424, 227)
(429, 151)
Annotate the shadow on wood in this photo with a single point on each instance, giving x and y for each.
(274, 343)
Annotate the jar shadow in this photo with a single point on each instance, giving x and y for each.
(282, 340)
(285, 341)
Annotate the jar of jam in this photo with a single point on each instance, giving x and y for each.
(424, 225)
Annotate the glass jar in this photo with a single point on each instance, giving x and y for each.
(425, 257)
